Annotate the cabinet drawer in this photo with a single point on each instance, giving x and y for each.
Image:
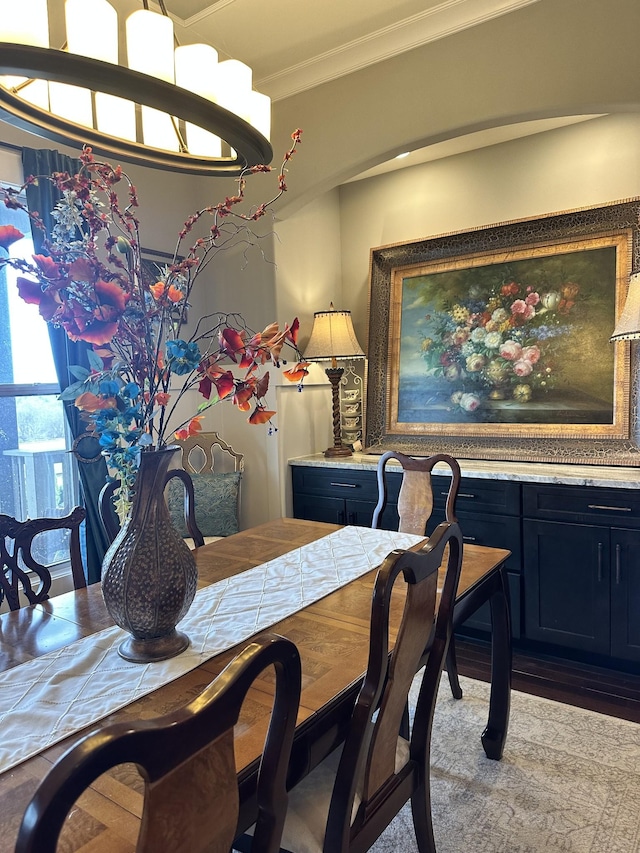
(485, 496)
(343, 483)
(492, 531)
(582, 505)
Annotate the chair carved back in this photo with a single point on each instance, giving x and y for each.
(208, 453)
(110, 519)
(187, 761)
(415, 506)
(415, 501)
(367, 767)
(17, 558)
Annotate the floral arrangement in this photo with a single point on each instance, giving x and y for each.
(499, 342)
(91, 282)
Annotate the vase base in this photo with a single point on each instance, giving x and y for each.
(156, 649)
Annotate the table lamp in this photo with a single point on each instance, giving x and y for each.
(628, 326)
(333, 337)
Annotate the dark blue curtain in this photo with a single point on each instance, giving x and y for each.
(92, 467)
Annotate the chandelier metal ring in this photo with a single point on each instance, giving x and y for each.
(251, 147)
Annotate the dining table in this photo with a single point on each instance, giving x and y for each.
(332, 635)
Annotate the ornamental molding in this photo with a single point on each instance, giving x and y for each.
(448, 18)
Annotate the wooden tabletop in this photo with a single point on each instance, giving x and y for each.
(332, 636)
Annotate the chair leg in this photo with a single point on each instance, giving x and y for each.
(422, 824)
(405, 728)
(452, 670)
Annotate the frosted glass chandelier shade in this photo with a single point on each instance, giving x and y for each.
(83, 95)
(85, 18)
(150, 44)
(196, 69)
(150, 50)
(71, 102)
(233, 87)
(260, 113)
(25, 22)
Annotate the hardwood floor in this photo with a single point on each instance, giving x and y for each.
(597, 689)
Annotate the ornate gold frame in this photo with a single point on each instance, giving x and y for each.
(614, 225)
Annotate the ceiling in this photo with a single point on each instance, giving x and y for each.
(294, 46)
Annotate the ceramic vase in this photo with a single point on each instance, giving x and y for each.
(149, 574)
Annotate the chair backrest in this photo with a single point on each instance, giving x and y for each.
(110, 520)
(415, 501)
(17, 557)
(367, 774)
(216, 470)
(207, 453)
(187, 761)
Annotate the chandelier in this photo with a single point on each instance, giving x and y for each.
(171, 107)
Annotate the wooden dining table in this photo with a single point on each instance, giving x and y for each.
(331, 634)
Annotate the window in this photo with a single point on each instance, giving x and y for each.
(36, 469)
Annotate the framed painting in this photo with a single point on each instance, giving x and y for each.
(153, 265)
(494, 343)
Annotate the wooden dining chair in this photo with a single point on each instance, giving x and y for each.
(348, 800)
(19, 565)
(216, 470)
(111, 522)
(415, 506)
(187, 761)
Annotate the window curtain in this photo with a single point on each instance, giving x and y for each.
(91, 465)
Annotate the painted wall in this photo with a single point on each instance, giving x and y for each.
(552, 58)
(321, 252)
(586, 164)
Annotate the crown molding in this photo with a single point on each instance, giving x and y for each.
(213, 7)
(449, 17)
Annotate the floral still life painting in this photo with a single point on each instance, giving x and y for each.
(516, 340)
(143, 357)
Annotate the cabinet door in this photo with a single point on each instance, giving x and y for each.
(481, 619)
(318, 508)
(361, 513)
(566, 585)
(625, 594)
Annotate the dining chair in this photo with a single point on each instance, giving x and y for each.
(19, 565)
(111, 522)
(186, 759)
(216, 471)
(348, 800)
(415, 506)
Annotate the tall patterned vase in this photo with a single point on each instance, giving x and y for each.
(149, 574)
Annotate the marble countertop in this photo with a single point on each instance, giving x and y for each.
(611, 477)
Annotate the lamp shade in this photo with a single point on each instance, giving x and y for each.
(332, 336)
(628, 326)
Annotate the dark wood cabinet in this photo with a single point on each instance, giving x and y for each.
(341, 496)
(625, 594)
(566, 580)
(489, 514)
(582, 571)
(574, 570)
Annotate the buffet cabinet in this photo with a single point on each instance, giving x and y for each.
(488, 511)
(574, 570)
(582, 568)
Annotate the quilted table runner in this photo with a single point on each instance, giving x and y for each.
(62, 692)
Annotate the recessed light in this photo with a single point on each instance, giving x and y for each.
(400, 156)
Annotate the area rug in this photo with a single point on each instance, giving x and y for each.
(569, 781)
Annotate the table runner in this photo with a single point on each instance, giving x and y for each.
(49, 698)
